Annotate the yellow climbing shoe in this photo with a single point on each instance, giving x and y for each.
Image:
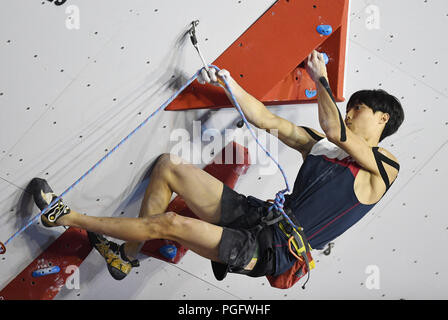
(118, 264)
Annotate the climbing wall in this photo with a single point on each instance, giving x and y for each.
(77, 76)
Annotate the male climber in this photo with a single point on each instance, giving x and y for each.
(344, 174)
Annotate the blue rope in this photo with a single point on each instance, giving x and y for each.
(279, 199)
(280, 196)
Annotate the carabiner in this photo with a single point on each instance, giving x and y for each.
(192, 32)
(194, 40)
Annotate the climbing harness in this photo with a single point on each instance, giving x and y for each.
(277, 205)
(297, 244)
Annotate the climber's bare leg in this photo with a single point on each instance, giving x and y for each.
(202, 194)
(200, 190)
(199, 236)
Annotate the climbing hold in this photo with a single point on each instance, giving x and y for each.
(326, 59)
(325, 29)
(45, 271)
(169, 251)
(2, 248)
(310, 93)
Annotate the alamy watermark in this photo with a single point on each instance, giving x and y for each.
(72, 281)
(373, 19)
(373, 280)
(73, 20)
(203, 146)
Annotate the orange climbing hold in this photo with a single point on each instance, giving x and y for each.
(266, 60)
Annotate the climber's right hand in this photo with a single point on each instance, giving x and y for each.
(212, 77)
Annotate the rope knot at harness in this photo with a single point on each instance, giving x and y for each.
(278, 205)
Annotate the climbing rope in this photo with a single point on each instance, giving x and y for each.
(163, 106)
(279, 198)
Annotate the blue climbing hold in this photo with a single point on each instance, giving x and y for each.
(326, 59)
(45, 271)
(169, 251)
(310, 93)
(325, 29)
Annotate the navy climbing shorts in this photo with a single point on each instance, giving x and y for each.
(243, 237)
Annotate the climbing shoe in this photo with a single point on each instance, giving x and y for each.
(118, 264)
(43, 195)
